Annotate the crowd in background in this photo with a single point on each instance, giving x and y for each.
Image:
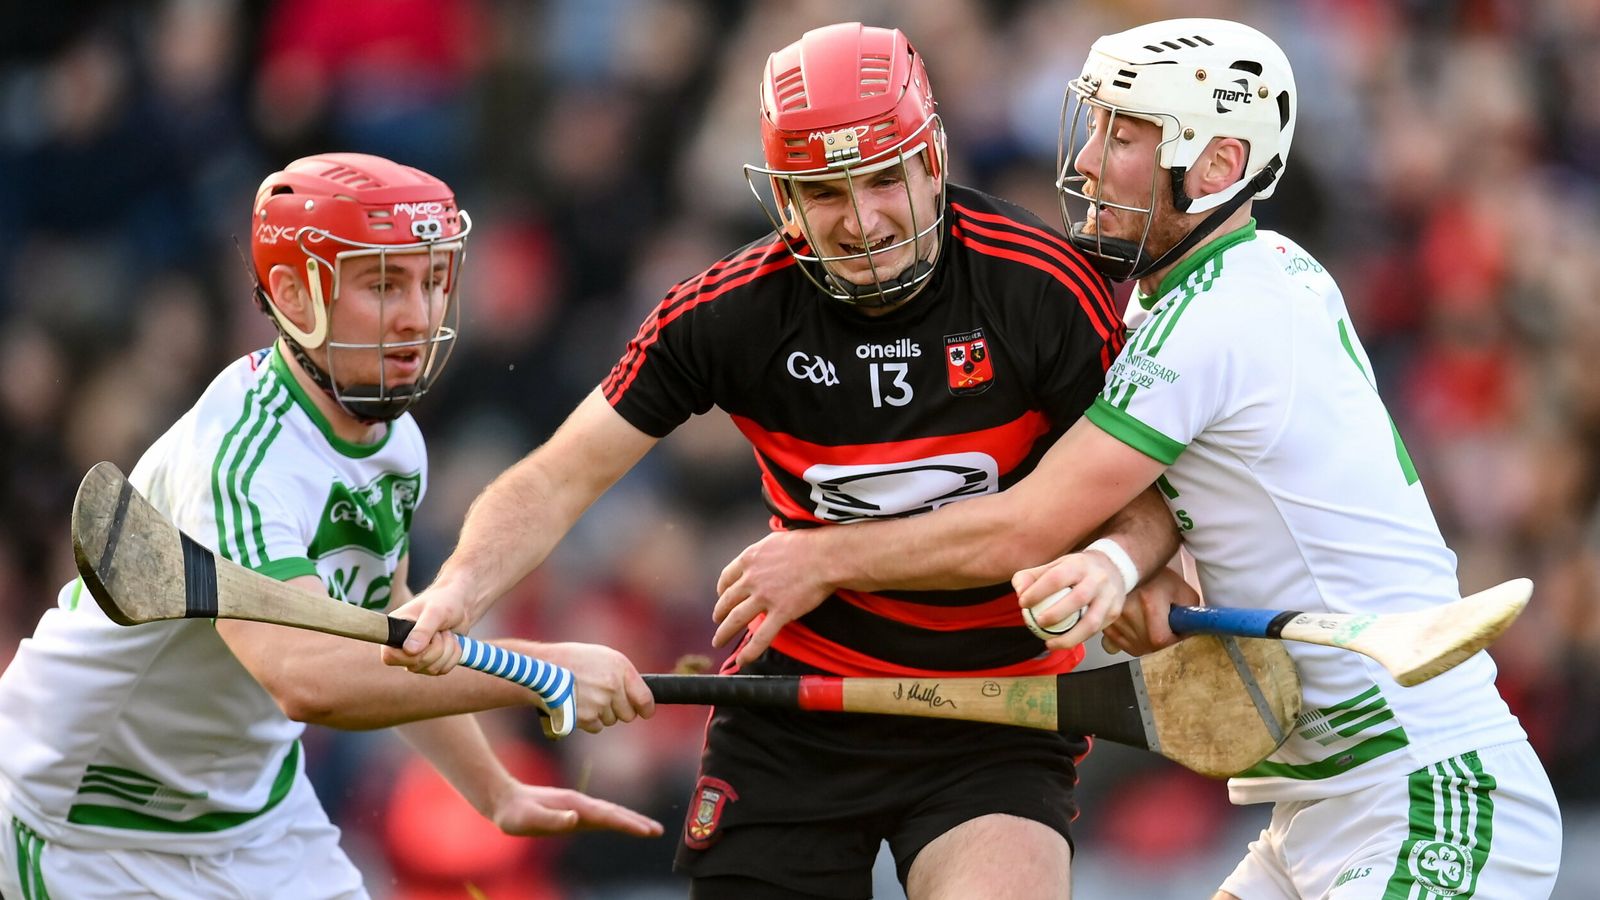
(1446, 169)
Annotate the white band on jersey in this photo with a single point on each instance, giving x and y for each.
(1119, 558)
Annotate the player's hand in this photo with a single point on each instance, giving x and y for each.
(1097, 590)
(537, 811)
(609, 689)
(431, 648)
(1142, 628)
(776, 576)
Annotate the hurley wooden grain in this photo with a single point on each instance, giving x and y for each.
(1416, 646)
(1204, 711)
(142, 578)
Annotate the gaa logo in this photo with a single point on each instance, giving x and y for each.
(814, 369)
(348, 511)
(1445, 869)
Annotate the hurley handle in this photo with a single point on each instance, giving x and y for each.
(554, 684)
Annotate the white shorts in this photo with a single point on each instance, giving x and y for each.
(1481, 825)
(302, 860)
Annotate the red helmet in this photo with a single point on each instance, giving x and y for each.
(868, 83)
(326, 208)
(843, 101)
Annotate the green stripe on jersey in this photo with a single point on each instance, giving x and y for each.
(1407, 467)
(1336, 764)
(264, 403)
(136, 788)
(1152, 335)
(309, 407)
(1198, 283)
(30, 861)
(133, 820)
(1209, 251)
(1452, 827)
(1334, 727)
(288, 567)
(1121, 424)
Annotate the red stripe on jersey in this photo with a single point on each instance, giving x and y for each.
(1098, 303)
(713, 283)
(1067, 253)
(799, 642)
(1001, 612)
(651, 325)
(780, 498)
(1107, 355)
(1006, 444)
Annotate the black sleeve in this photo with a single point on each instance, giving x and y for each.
(662, 378)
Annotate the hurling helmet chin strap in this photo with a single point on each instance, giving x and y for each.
(881, 293)
(1120, 259)
(368, 403)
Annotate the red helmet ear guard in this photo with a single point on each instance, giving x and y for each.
(846, 95)
(321, 206)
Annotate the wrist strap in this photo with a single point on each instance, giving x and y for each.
(1119, 558)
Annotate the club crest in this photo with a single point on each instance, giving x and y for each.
(1442, 868)
(711, 796)
(968, 363)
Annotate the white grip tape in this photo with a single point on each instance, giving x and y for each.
(1119, 558)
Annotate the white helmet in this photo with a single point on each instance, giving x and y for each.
(1197, 79)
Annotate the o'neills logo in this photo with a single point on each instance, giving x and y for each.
(905, 348)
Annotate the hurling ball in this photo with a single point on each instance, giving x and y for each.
(1057, 629)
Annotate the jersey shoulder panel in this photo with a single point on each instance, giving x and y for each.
(665, 374)
(1205, 337)
(1013, 240)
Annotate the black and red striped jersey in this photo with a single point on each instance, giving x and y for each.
(957, 393)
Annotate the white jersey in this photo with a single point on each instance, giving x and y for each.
(148, 736)
(1293, 490)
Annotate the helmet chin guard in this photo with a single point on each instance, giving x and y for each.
(1196, 80)
(325, 210)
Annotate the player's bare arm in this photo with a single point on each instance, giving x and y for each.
(1081, 482)
(457, 747)
(291, 664)
(516, 521)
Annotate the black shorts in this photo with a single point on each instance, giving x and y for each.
(804, 799)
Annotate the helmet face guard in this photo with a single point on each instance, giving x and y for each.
(1196, 80)
(842, 102)
(1117, 258)
(787, 213)
(327, 210)
(382, 401)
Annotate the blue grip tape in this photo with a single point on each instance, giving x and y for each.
(1228, 620)
(554, 684)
